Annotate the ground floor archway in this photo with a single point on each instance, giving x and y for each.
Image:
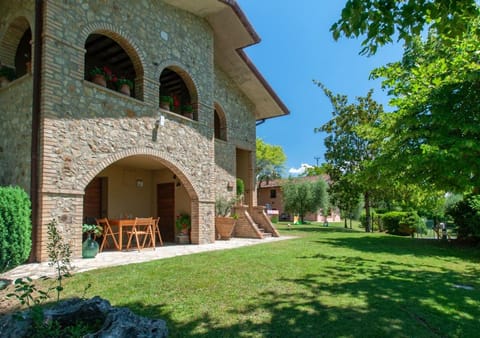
(139, 186)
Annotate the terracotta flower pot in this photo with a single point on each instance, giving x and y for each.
(99, 79)
(225, 226)
(3, 81)
(124, 89)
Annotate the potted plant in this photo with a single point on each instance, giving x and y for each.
(90, 245)
(187, 111)
(240, 190)
(183, 224)
(224, 219)
(123, 85)
(100, 76)
(7, 74)
(166, 102)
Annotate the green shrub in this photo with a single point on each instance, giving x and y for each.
(403, 223)
(15, 227)
(466, 216)
(412, 223)
(274, 219)
(391, 221)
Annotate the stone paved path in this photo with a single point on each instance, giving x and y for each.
(114, 258)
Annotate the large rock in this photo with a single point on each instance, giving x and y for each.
(117, 322)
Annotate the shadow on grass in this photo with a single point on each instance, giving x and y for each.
(389, 300)
(397, 245)
(316, 229)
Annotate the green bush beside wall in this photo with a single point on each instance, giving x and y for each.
(15, 227)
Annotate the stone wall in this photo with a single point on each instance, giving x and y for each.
(15, 133)
(240, 124)
(16, 99)
(87, 127)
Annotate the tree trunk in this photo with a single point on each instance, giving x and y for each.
(346, 226)
(368, 218)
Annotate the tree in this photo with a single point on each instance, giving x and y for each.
(270, 161)
(381, 20)
(301, 197)
(315, 170)
(349, 153)
(345, 196)
(432, 137)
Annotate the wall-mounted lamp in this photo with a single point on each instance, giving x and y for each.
(229, 186)
(160, 122)
(139, 183)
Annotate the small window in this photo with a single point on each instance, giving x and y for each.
(273, 193)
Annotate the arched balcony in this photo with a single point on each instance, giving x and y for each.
(109, 63)
(178, 93)
(220, 123)
(16, 51)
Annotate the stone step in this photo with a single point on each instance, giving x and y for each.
(263, 231)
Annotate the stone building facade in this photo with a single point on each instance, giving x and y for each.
(85, 150)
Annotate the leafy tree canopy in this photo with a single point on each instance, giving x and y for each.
(350, 151)
(315, 170)
(270, 161)
(301, 197)
(380, 20)
(433, 136)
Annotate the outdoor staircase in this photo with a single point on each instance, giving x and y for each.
(265, 233)
(253, 223)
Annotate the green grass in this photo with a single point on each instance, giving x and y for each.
(329, 282)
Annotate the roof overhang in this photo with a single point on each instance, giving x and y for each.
(233, 32)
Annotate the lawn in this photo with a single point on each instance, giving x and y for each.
(328, 282)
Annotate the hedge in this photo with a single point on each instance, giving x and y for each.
(403, 223)
(15, 227)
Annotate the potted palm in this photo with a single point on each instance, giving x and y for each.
(225, 220)
(90, 245)
(183, 224)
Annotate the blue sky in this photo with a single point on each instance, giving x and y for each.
(296, 48)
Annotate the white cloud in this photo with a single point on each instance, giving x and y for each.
(301, 170)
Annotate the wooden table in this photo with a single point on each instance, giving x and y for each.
(121, 223)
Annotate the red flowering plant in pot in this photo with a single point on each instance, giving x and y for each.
(101, 75)
(122, 84)
(183, 223)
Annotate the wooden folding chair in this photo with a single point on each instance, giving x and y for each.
(156, 232)
(107, 232)
(142, 227)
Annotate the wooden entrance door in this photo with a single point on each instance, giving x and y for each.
(166, 210)
(95, 200)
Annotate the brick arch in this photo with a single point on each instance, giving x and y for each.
(162, 157)
(190, 82)
(222, 121)
(11, 39)
(121, 37)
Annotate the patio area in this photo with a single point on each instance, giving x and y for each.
(115, 258)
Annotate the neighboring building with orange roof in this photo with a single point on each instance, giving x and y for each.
(270, 195)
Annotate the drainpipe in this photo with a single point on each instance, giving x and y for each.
(259, 122)
(35, 150)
